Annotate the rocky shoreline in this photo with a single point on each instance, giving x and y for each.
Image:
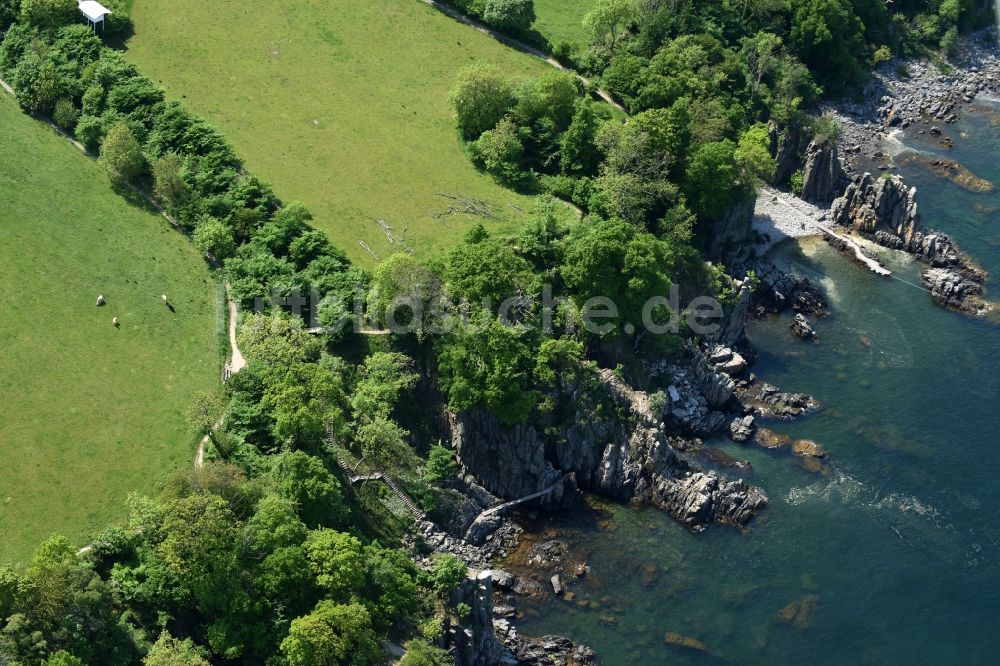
(883, 209)
(637, 446)
(915, 97)
(647, 446)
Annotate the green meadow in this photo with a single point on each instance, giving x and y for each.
(342, 105)
(89, 412)
(562, 21)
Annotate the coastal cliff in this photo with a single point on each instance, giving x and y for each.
(885, 211)
(624, 447)
(727, 243)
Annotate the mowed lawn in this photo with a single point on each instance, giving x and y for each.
(340, 104)
(562, 21)
(89, 413)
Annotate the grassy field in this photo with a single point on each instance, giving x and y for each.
(88, 412)
(561, 21)
(340, 104)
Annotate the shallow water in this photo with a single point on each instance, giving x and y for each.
(896, 549)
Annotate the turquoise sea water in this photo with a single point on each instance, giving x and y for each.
(896, 550)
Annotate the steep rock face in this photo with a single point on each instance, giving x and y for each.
(622, 452)
(484, 640)
(729, 240)
(823, 174)
(476, 644)
(787, 149)
(879, 208)
(885, 211)
(512, 462)
(731, 331)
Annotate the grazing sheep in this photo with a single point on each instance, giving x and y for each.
(115, 322)
(100, 300)
(164, 297)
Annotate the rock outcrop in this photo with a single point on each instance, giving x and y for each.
(801, 327)
(731, 331)
(702, 498)
(620, 449)
(767, 401)
(779, 291)
(885, 211)
(823, 174)
(484, 640)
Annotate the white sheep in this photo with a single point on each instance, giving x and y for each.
(115, 322)
(164, 297)
(100, 300)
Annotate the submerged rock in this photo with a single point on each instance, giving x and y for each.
(722, 459)
(768, 439)
(685, 643)
(807, 447)
(800, 613)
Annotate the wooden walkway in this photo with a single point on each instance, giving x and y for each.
(376, 475)
(506, 505)
(859, 253)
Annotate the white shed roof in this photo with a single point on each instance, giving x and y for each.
(94, 11)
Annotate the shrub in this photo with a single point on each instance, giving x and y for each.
(9, 10)
(37, 83)
(122, 155)
(826, 129)
(499, 151)
(447, 573)
(65, 115)
(169, 185)
(422, 653)
(797, 181)
(657, 401)
(513, 15)
(565, 53)
(440, 464)
(90, 132)
(119, 18)
(214, 237)
(949, 42)
(15, 45)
